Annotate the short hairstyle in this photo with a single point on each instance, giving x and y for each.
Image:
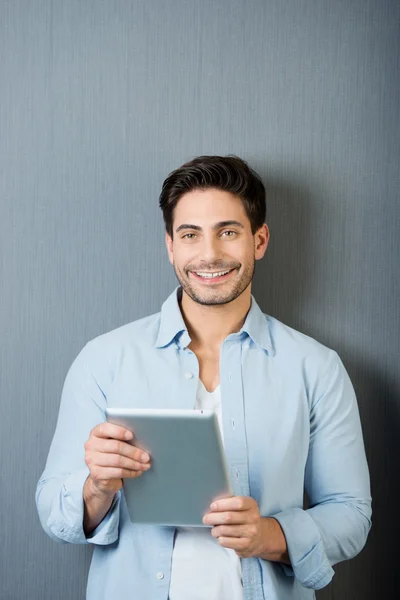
(227, 173)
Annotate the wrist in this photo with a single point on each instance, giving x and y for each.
(273, 541)
(96, 504)
(91, 491)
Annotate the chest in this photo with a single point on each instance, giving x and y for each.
(270, 398)
(208, 368)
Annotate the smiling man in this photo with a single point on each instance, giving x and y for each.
(285, 405)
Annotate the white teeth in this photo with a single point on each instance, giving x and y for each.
(212, 275)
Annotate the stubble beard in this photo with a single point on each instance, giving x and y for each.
(210, 297)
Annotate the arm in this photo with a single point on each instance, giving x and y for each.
(74, 502)
(336, 525)
(59, 493)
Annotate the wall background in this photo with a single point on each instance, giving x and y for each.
(99, 101)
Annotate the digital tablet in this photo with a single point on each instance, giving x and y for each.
(188, 465)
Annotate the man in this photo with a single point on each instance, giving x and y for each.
(286, 408)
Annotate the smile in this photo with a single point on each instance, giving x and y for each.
(216, 275)
(207, 275)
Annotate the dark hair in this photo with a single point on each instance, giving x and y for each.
(228, 173)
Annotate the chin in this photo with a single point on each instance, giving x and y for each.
(211, 298)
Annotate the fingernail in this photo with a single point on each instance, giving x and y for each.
(145, 458)
(213, 506)
(128, 435)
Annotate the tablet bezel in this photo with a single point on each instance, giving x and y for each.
(163, 496)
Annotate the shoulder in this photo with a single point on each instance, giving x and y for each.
(302, 358)
(287, 339)
(295, 350)
(129, 338)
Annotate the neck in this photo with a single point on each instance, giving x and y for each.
(208, 326)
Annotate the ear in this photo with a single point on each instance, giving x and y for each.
(261, 239)
(168, 243)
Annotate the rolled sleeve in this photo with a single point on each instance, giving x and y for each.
(65, 521)
(309, 562)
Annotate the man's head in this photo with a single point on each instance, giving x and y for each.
(214, 211)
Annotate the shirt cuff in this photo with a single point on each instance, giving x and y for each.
(309, 562)
(107, 531)
(66, 519)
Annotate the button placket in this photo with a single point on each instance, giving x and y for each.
(189, 369)
(233, 417)
(236, 446)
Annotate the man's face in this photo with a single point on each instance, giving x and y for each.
(213, 250)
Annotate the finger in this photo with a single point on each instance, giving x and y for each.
(117, 447)
(233, 503)
(109, 430)
(234, 531)
(223, 518)
(102, 459)
(107, 473)
(240, 545)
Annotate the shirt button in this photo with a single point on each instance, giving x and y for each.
(188, 375)
(160, 575)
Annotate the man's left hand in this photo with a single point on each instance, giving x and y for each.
(237, 524)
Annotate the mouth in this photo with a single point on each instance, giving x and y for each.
(211, 277)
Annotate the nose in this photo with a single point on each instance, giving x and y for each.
(209, 250)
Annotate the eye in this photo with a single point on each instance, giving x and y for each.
(229, 233)
(189, 236)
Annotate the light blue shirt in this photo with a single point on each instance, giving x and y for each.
(290, 421)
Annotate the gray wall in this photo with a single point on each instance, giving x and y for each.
(99, 101)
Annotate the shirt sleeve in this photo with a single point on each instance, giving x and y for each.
(336, 525)
(59, 493)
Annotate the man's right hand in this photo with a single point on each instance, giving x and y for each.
(111, 458)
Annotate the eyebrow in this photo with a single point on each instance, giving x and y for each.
(215, 227)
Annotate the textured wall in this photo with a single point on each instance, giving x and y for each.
(99, 101)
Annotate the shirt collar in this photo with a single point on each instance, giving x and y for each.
(256, 326)
(172, 324)
(173, 327)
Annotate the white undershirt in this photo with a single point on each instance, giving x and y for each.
(201, 568)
